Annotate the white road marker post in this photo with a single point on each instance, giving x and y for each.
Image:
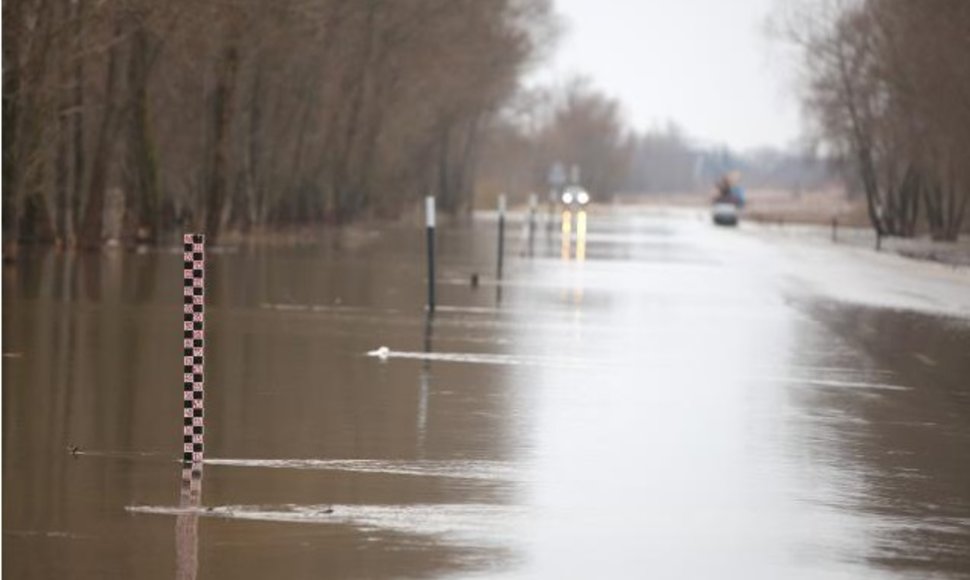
(429, 213)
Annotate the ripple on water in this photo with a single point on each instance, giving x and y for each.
(463, 469)
(473, 523)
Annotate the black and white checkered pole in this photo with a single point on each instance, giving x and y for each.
(430, 223)
(193, 347)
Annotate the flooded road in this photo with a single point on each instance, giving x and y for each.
(642, 395)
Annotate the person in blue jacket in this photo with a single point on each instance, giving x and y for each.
(729, 191)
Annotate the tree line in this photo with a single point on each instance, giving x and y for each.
(575, 123)
(570, 123)
(666, 160)
(887, 83)
(238, 114)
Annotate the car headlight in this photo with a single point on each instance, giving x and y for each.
(567, 198)
(582, 198)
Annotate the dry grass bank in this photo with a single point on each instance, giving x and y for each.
(774, 206)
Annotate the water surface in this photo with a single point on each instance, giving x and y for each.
(642, 396)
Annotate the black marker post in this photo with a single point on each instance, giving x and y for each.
(429, 222)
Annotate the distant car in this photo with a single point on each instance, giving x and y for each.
(575, 197)
(725, 213)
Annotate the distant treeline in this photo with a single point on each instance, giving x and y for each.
(571, 123)
(136, 118)
(667, 161)
(574, 123)
(888, 85)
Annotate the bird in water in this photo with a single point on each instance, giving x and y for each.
(474, 280)
(73, 449)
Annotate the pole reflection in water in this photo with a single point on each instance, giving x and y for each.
(580, 258)
(187, 523)
(533, 208)
(581, 235)
(425, 386)
(567, 234)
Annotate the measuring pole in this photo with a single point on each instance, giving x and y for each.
(193, 347)
(430, 224)
(501, 233)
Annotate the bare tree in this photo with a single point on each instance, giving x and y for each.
(247, 113)
(889, 85)
(573, 124)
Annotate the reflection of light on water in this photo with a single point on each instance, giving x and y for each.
(187, 524)
(580, 236)
(567, 228)
(580, 254)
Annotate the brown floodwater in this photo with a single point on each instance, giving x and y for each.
(641, 395)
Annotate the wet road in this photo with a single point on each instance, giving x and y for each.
(645, 396)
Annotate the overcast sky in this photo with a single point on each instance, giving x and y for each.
(705, 64)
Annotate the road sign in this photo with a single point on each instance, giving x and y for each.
(557, 174)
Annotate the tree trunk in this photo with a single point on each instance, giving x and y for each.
(11, 125)
(77, 121)
(92, 225)
(344, 166)
(26, 58)
(223, 99)
(142, 191)
(863, 148)
(254, 192)
(444, 179)
(932, 197)
(469, 161)
(61, 184)
(956, 206)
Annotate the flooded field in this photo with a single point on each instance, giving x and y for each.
(641, 395)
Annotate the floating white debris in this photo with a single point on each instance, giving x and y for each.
(381, 353)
